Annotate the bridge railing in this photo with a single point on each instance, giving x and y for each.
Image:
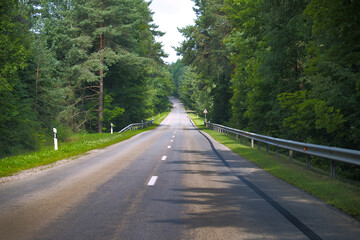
(135, 126)
(333, 153)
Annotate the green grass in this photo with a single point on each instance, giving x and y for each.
(76, 145)
(159, 118)
(340, 194)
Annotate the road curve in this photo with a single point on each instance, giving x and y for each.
(173, 182)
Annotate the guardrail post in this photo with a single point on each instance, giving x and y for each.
(291, 155)
(241, 139)
(245, 141)
(332, 169)
(267, 148)
(259, 146)
(252, 143)
(308, 160)
(277, 152)
(237, 137)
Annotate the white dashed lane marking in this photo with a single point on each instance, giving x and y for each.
(152, 181)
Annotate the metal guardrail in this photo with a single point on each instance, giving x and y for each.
(333, 153)
(135, 126)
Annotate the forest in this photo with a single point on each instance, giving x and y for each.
(77, 65)
(282, 68)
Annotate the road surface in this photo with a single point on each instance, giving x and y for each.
(173, 182)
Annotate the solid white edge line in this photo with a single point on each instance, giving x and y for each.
(152, 181)
(163, 158)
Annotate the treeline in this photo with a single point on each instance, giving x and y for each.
(77, 65)
(283, 68)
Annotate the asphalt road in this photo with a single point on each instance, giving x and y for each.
(173, 182)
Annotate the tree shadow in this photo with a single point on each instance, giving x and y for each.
(227, 201)
(232, 207)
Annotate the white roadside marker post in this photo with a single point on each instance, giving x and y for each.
(112, 130)
(55, 139)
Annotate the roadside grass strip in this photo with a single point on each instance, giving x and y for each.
(344, 195)
(76, 145)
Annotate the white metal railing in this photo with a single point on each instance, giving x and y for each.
(135, 126)
(333, 153)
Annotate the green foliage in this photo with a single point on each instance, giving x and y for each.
(159, 87)
(333, 67)
(311, 118)
(205, 51)
(50, 65)
(13, 47)
(287, 68)
(111, 113)
(193, 90)
(268, 48)
(16, 126)
(296, 68)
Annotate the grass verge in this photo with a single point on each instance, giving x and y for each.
(342, 195)
(78, 144)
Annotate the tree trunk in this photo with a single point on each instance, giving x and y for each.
(101, 87)
(101, 84)
(36, 83)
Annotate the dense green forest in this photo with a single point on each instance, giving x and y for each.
(284, 68)
(77, 65)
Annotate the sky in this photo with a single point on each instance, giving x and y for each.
(170, 15)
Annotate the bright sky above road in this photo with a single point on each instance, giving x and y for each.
(170, 15)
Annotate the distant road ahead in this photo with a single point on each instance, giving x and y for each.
(173, 182)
